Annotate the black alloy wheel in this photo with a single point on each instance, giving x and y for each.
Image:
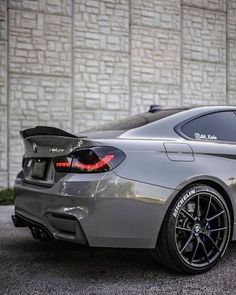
(195, 232)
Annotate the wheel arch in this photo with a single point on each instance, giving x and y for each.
(218, 185)
(224, 194)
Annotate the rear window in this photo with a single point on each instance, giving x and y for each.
(137, 120)
(215, 126)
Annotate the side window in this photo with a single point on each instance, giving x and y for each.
(216, 126)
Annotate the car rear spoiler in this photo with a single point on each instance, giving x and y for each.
(45, 130)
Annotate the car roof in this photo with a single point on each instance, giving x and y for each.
(164, 128)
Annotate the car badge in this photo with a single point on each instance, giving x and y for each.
(29, 163)
(56, 150)
(35, 147)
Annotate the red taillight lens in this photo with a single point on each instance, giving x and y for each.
(90, 160)
(63, 164)
(91, 167)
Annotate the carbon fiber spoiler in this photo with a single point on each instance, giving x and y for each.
(45, 130)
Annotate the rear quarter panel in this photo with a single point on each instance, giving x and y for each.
(147, 161)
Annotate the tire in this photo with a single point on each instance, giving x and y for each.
(195, 232)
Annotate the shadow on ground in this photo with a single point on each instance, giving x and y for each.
(33, 267)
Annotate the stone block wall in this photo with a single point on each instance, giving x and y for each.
(76, 63)
(4, 154)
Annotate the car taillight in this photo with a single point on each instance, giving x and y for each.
(90, 160)
(63, 164)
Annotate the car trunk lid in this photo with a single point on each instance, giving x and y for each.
(42, 145)
(49, 142)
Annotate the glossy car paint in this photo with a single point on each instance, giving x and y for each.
(126, 206)
(103, 206)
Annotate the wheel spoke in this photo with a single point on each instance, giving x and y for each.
(218, 229)
(197, 215)
(183, 228)
(187, 243)
(208, 207)
(195, 252)
(213, 242)
(187, 214)
(215, 216)
(205, 251)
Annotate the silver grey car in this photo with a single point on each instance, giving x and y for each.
(164, 180)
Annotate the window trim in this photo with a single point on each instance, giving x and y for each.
(178, 127)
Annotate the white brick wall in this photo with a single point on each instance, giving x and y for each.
(207, 4)
(39, 43)
(77, 63)
(232, 19)
(101, 80)
(3, 70)
(155, 56)
(3, 146)
(156, 13)
(3, 95)
(232, 65)
(199, 43)
(62, 7)
(101, 24)
(231, 77)
(204, 83)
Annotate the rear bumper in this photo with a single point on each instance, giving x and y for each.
(103, 210)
